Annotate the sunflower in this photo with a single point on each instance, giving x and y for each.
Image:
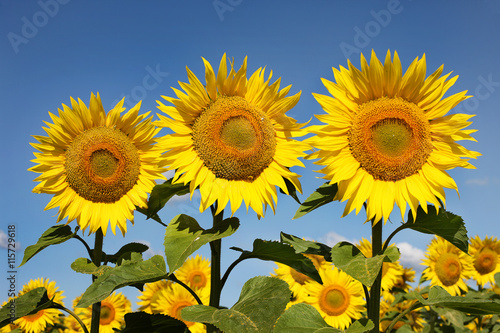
(486, 256)
(232, 138)
(392, 272)
(387, 137)
(296, 280)
(195, 272)
(113, 310)
(447, 266)
(339, 299)
(37, 322)
(98, 166)
(150, 294)
(171, 302)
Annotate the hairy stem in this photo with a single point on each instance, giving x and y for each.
(96, 259)
(374, 301)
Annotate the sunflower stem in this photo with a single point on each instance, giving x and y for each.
(374, 301)
(215, 270)
(62, 307)
(96, 259)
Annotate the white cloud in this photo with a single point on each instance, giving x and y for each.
(333, 238)
(478, 181)
(3, 239)
(411, 256)
(150, 252)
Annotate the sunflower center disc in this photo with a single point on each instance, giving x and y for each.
(235, 140)
(198, 280)
(177, 311)
(390, 138)
(334, 301)
(448, 269)
(486, 262)
(102, 164)
(107, 314)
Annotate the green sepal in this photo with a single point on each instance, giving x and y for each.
(261, 302)
(183, 236)
(142, 322)
(443, 224)
(323, 195)
(307, 247)
(56, 234)
(351, 260)
(129, 273)
(282, 253)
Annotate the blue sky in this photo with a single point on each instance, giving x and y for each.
(53, 49)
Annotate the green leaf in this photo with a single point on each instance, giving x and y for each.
(450, 316)
(142, 322)
(282, 253)
(474, 306)
(261, 301)
(161, 194)
(85, 266)
(130, 272)
(307, 247)
(349, 258)
(302, 318)
(54, 235)
(444, 224)
(323, 195)
(29, 303)
(125, 251)
(292, 191)
(183, 236)
(359, 326)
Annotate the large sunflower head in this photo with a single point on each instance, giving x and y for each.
(171, 302)
(447, 266)
(98, 166)
(37, 322)
(486, 258)
(231, 137)
(195, 272)
(387, 138)
(339, 299)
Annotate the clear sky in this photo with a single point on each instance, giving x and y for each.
(53, 49)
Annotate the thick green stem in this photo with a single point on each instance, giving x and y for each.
(215, 278)
(374, 301)
(96, 259)
(84, 328)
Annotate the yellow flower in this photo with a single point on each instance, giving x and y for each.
(150, 294)
(339, 299)
(195, 272)
(296, 280)
(387, 138)
(414, 318)
(486, 257)
(392, 272)
(171, 302)
(37, 322)
(113, 310)
(232, 138)
(447, 266)
(98, 166)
